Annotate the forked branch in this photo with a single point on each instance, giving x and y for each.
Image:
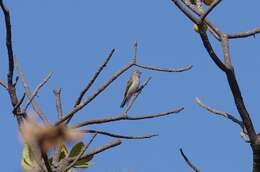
(228, 69)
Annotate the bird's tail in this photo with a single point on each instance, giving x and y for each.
(123, 102)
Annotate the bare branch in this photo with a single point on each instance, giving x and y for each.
(125, 117)
(210, 50)
(186, 12)
(183, 69)
(57, 150)
(99, 90)
(117, 135)
(37, 89)
(93, 79)
(10, 86)
(136, 96)
(57, 94)
(217, 112)
(18, 104)
(3, 84)
(241, 106)
(230, 74)
(244, 34)
(8, 42)
(78, 107)
(102, 148)
(81, 153)
(225, 46)
(229, 71)
(212, 6)
(213, 29)
(194, 168)
(29, 94)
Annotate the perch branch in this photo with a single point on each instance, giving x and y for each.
(136, 96)
(125, 117)
(98, 91)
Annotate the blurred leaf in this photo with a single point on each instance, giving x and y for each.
(63, 152)
(26, 166)
(76, 149)
(50, 160)
(26, 161)
(84, 163)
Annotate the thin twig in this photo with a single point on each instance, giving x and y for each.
(244, 34)
(186, 12)
(57, 94)
(19, 104)
(118, 135)
(3, 84)
(37, 89)
(189, 161)
(93, 79)
(102, 148)
(81, 153)
(183, 69)
(125, 117)
(217, 112)
(212, 6)
(29, 94)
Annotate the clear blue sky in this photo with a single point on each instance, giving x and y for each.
(72, 38)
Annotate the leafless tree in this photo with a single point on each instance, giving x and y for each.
(198, 16)
(50, 133)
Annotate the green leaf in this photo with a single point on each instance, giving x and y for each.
(76, 149)
(63, 151)
(84, 163)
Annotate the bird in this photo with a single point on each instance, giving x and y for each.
(131, 87)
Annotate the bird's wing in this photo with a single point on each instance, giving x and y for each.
(129, 83)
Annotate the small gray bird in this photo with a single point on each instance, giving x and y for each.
(131, 87)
